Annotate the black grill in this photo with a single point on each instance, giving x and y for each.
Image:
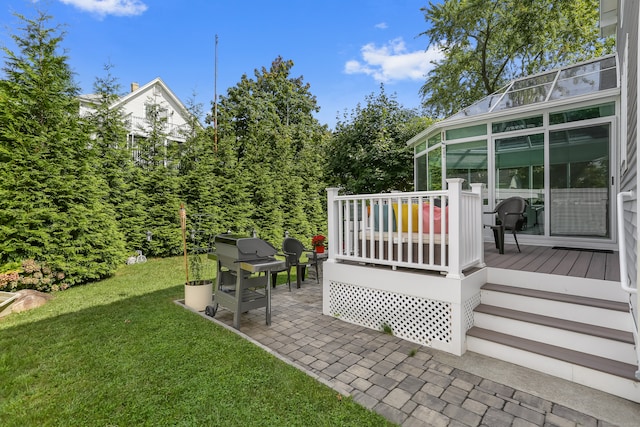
(239, 285)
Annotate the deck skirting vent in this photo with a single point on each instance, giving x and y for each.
(411, 318)
(468, 307)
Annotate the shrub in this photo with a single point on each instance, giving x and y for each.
(30, 274)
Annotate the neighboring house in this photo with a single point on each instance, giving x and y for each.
(566, 141)
(138, 106)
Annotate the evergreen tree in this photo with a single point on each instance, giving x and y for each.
(268, 123)
(115, 161)
(158, 184)
(55, 207)
(199, 178)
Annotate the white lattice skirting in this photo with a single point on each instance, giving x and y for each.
(411, 318)
(468, 307)
(426, 309)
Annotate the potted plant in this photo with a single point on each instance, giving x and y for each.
(318, 243)
(198, 290)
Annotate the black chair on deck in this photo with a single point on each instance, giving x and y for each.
(510, 216)
(293, 250)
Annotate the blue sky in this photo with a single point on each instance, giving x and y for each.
(344, 49)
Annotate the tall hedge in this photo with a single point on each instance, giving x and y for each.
(55, 207)
(268, 123)
(114, 162)
(76, 201)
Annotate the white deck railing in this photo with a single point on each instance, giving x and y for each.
(429, 230)
(143, 126)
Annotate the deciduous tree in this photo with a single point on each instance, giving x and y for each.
(368, 151)
(487, 43)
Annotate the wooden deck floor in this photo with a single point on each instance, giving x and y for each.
(542, 259)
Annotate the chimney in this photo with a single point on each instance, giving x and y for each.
(134, 86)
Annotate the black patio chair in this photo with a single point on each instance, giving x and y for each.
(293, 250)
(509, 216)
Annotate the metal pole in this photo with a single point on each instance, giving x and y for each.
(215, 99)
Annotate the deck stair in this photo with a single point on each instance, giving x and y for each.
(584, 339)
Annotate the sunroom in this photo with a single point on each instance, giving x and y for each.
(551, 138)
(416, 261)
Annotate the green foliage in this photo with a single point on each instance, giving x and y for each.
(158, 182)
(386, 328)
(115, 162)
(55, 208)
(77, 201)
(12, 266)
(487, 43)
(272, 149)
(368, 151)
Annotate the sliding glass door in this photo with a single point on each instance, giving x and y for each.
(519, 163)
(579, 173)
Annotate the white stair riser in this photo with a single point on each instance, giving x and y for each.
(602, 347)
(560, 310)
(601, 289)
(608, 383)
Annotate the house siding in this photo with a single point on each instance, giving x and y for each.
(629, 33)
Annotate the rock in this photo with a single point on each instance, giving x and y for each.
(28, 299)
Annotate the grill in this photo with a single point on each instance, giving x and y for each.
(237, 287)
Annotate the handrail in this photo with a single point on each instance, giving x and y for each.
(624, 281)
(622, 243)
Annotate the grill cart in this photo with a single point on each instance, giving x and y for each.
(237, 287)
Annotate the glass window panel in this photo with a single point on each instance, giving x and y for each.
(421, 173)
(483, 106)
(435, 139)
(586, 78)
(605, 64)
(520, 172)
(518, 124)
(466, 132)
(582, 114)
(420, 147)
(469, 161)
(578, 80)
(434, 169)
(526, 96)
(579, 182)
(540, 80)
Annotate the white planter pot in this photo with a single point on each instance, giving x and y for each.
(198, 297)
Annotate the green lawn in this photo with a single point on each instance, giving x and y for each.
(120, 352)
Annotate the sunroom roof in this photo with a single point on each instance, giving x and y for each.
(571, 81)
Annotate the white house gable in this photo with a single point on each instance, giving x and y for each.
(154, 97)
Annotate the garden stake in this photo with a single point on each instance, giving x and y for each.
(183, 225)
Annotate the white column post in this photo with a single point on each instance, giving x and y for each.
(476, 188)
(333, 234)
(455, 246)
(332, 223)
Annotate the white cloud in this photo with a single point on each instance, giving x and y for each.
(381, 26)
(109, 7)
(393, 62)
